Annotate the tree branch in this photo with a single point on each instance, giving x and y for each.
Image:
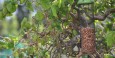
(74, 3)
(101, 18)
(73, 15)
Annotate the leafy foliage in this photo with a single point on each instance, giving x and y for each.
(110, 38)
(52, 31)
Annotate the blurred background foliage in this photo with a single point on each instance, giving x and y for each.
(35, 28)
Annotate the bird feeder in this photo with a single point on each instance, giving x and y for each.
(87, 32)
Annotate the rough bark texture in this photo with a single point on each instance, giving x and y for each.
(88, 40)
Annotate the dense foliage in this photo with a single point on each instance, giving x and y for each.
(53, 31)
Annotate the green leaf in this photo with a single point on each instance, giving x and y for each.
(55, 2)
(25, 24)
(45, 4)
(1, 15)
(107, 56)
(60, 2)
(39, 15)
(44, 52)
(85, 1)
(5, 11)
(53, 25)
(31, 50)
(29, 5)
(11, 45)
(22, 1)
(54, 11)
(43, 41)
(110, 38)
(2, 42)
(33, 27)
(70, 1)
(21, 55)
(58, 25)
(9, 14)
(11, 7)
(113, 14)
